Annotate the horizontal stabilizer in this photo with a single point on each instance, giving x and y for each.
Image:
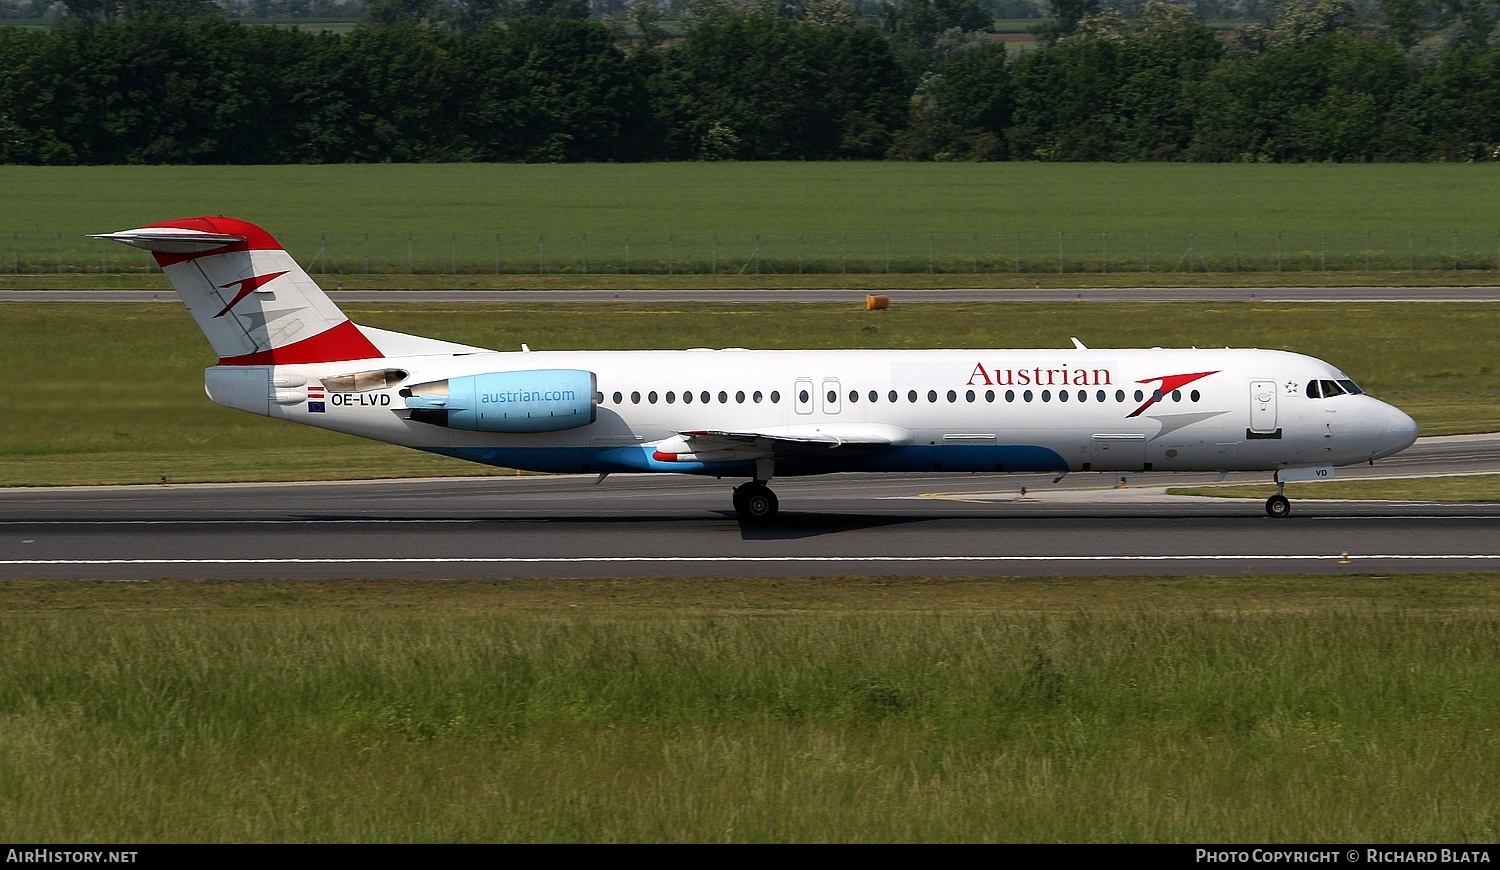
(171, 240)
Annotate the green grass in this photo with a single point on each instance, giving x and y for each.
(1303, 709)
(1167, 199)
(1472, 488)
(1067, 285)
(788, 218)
(113, 393)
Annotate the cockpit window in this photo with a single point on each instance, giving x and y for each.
(1328, 389)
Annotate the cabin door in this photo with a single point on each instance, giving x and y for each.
(1262, 407)
(802, 396)
(831, 401)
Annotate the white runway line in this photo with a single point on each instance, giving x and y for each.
(571, 560)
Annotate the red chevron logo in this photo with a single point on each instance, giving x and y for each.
(1168, 384)
(247, 286)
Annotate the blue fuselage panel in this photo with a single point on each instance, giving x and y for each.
(576, 460)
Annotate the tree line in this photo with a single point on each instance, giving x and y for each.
(742, 83)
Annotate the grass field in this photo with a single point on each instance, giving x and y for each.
(760, 197)
(1067, 286)
(790, 218)
(1301, 709)
(125, 403)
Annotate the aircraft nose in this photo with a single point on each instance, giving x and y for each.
(1400, 432)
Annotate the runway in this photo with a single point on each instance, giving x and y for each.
(1056, 290)
(639, 526)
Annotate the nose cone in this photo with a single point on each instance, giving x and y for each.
(1400, 432)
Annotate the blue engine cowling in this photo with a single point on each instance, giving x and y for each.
(545, 400)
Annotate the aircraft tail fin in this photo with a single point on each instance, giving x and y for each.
(251, 299)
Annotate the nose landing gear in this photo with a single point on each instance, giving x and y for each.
(1277, 505)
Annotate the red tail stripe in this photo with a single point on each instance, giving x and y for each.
(342, 342)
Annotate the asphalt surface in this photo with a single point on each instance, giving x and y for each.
(1050, 294)
(644, 525)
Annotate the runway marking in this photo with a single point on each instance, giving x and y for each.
(565, 560)
(359, 521)
(501, 516)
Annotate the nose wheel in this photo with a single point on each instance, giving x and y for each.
(755, 502)
(1277, 505)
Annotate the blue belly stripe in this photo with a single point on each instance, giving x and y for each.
(578, 460)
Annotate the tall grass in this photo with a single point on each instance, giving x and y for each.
(279, 717)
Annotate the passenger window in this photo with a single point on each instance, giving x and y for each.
(1139, 395)
(1062, 395)
(1195, 395)
(618, 398)
(775, 396)
(932, 396)
(672, 397)
(854, 395)
(635, 397)
(1119, 395)
(1026, 395)
(969, 396)
(723, 397)
(687, 397)
(739, 396)
(651, 397)
(704, 396)
(952, 397)
(893, 395)
(1010, 395)
(1177, 395)
(911, 395)
(755, 397)
(801, 397)
(874, 396)
(989, 395)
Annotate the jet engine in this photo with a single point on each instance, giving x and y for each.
(545, 400)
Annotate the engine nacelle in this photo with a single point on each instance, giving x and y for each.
(545, 400)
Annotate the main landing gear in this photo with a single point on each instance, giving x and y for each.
(1277, 505)
(755, 502)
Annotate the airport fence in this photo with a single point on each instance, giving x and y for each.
(819, 253)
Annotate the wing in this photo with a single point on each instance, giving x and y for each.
(780, 442)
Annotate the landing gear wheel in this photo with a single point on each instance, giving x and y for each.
(1277, 506)
(755, 503)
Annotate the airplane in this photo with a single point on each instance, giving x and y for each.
(287, 352)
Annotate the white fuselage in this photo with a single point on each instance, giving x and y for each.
(939, 410)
